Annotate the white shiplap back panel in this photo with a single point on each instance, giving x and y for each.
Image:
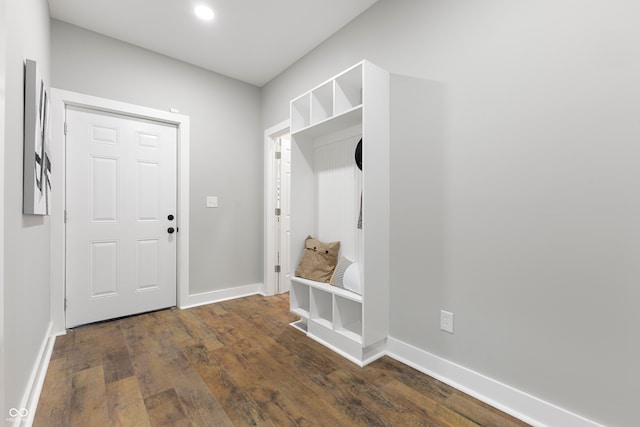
(338, 189)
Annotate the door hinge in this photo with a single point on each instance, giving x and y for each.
(65, 216)
(278, 155)
(65, 304)
(277, 269)
(65, 128)
(277, 211)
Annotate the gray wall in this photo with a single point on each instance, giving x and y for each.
(528, 195)
(26, 237)
(226, 159)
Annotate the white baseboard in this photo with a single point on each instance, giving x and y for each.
(222, 295)
(519, 404)
(29, 402)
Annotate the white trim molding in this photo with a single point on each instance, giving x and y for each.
(29, 401)
(519, 404)
(60, 99)
(211, 297)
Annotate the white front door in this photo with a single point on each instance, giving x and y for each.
(120, 216)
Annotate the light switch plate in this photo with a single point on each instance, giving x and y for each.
(212, 201)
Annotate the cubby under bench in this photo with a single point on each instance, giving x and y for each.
(333, 317)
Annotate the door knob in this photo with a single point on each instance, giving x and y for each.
(170, 230)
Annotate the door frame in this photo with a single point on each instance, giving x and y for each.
(60, 99)
(270, 139)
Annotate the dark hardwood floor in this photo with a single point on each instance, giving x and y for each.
(236, 363)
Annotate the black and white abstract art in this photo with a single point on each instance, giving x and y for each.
(37, 155)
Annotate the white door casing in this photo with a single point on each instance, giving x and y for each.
(121, 189)
(60, 100)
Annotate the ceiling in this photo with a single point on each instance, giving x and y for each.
(249, 40)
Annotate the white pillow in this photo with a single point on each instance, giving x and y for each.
(347, 275)
(351, 278)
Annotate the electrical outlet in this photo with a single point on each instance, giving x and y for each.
(446, 321)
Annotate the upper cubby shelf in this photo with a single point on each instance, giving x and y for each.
(322, 103)
(335, 104)
(301, 112)
(348, 90)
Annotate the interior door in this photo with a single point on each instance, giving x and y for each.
(120, 216)
(285, 214)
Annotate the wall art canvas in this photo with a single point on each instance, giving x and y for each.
(37, 155)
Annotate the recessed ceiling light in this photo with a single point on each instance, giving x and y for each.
(204, 12)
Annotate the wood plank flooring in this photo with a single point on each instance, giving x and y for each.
(236, 363)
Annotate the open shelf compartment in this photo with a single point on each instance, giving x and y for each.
(299, 299)
(322, 103)
(322, 307)
(348, 318)
(348, 90)
(301, 112)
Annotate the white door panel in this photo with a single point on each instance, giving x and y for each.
(121, 188)
(282, 228)
(285, 255)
